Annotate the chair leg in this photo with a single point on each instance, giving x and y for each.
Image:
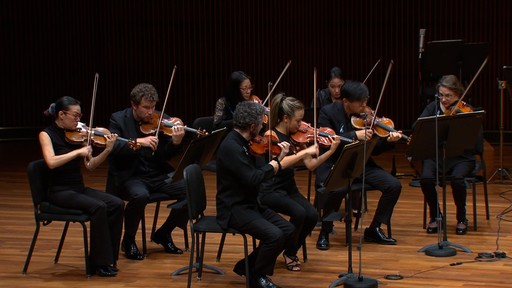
(304, 252)
(143, 234)
(247, 269)
(424, 213)
(221, 246)
(475, 224)
(191, 260)
(32, 246)
(88, 271)
(61, 243)
(155, 219)
(185, 237)
(486, 196)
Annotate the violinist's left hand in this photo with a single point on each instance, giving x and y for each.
(111, 139)
(285, 147)
(394, 136)
(335, 142)
(178, 132)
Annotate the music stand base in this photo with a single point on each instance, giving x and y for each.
(443, 249)
(350, 280)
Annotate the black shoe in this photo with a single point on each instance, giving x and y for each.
(376, 235)
(323, 241)
(462, 227)
(432, 227)
(105, 271)
(239, 268)
(263, 282)
(130, 250)
(164, 239)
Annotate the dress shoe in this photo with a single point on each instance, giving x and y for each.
(375, 234)
(462, 227)
(263, 282)
(131, 251)
(239, 268)
(164, 239)
(323, 241)
(105, 271)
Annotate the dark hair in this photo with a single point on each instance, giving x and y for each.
(283, 105)
(451, 82)
(246, 114)
(233, 95)
(62, 104)
(143, 90)
(354, 91)
(335, 72)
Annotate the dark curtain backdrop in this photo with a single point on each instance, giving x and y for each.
(51, 48)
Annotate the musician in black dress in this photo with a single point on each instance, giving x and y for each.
(239, 176)
(449, 90)
(67, 187)
(337, 116)
(333, 91)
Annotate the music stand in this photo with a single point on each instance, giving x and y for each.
(349, 166)
(454, 135)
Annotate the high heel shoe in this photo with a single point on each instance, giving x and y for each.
(432, 227)
(462, 227)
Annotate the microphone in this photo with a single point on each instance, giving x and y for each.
(422, 41)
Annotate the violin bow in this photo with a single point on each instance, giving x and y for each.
(314, 105)
(95, 88)
(278, 79)
(165, 102)
(382, 93)
(452, 110)
(371, 71)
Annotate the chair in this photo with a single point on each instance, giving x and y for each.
(201, 224)
(471, 180)
(157, 198)
(205, 123)
(45, 213)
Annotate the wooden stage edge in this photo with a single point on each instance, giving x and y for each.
(323, 267)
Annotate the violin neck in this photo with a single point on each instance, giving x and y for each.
(99, 133)
(344, 139)
(389, 129)
(168, 123)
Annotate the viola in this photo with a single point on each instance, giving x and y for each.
(305, 136)
(382, 125)
(261, 145)
(149, 126)
(80, 134)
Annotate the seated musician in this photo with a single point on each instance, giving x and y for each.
(449, 90)
(67, 188)
(337, 116)
(280, 193)
(135, 174)
(333, 91)
(238, 89)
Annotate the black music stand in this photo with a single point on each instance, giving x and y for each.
(348, 167)
(453, 135)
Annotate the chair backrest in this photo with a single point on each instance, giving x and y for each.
(196, 191)
(204, 123)
(38, 173)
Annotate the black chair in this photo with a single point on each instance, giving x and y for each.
(158, 198)
(201, 224)
(205, 123)
(471, 180)
(45, 213)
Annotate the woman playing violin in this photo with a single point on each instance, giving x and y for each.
(449, 90)
(67, 187)
(337, 116)
(238, 89)
(280, 193)
(135, 174)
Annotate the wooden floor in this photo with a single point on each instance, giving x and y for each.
(323, 267)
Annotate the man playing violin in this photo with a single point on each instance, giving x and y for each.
(449, 91)
(337, 116)
(135, 174)
(239, 176)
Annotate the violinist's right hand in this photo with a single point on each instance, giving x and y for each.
(364, 135)
(149, 141)
(85, 151)
(312, 150)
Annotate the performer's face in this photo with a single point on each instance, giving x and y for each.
(293, 123)
(334, 87)
(143, 110)
(246, 88)
(354, 107)
(447, 96)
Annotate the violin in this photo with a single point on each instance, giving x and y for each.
(261, 145)
(149, 126)
(305, 136)
(80, 134)
(382, 125)
(458, 107)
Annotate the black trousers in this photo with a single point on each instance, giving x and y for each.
(137, 192)
(106, 212)
(273, 231)
(455, 173)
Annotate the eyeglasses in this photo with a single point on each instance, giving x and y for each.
(244, 89)
(447, 96)
(75, 115)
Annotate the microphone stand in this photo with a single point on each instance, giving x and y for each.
(502, 85)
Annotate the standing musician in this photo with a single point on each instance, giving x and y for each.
(337, 116)
(332, 93)
(238, 181)
(280, 193)
(238, 89)
(134, 175)
(449, 90)
(67, 188)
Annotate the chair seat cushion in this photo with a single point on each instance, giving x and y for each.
(209, 224)
(48, 208)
